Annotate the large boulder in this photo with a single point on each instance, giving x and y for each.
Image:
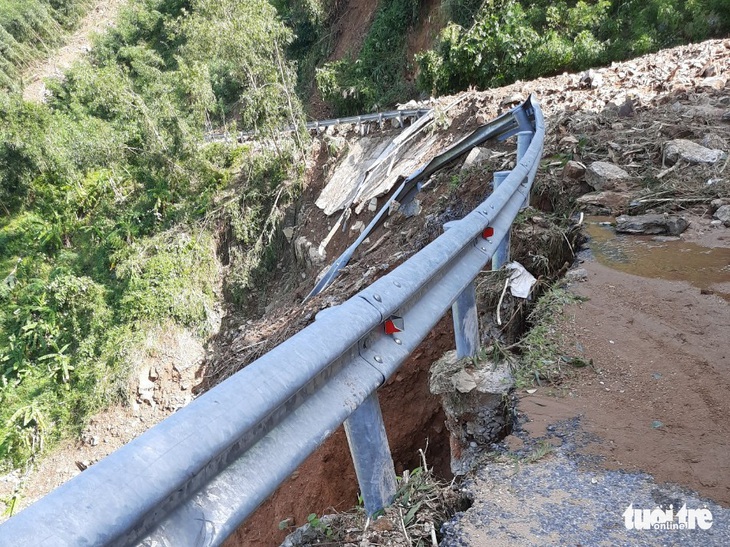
(672, 225)
(602, 175)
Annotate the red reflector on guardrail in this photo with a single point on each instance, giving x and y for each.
(394, 324)
(488, 232)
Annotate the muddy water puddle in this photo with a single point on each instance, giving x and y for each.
(707, 268)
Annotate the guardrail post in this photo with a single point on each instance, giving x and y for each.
(466, 320)
(371, 455)
(524, 138)
(501, 255)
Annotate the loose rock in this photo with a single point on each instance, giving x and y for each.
(577, 274)
(691, 152)
(723, 215)
(651, 224)
(574, 170)
(307, 252)
(607, 202)
(602, 175)
(714, 141)
(715, 204)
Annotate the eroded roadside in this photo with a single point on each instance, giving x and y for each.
(644, 426)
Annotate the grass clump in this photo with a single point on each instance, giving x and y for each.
(542, 359)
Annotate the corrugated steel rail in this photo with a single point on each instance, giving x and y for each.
(379, 117)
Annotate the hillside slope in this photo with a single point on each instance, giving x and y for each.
(671, 94)
(99, 18)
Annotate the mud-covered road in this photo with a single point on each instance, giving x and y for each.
(645, 427)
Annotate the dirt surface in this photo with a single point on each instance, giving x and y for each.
(351, 27)
(657, 397)
(99, 18)
(644, 426)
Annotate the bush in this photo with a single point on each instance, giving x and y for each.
(169, 276)
(512, 39)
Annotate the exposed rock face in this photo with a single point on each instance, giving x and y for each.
(602, 175)
(723, 215)
(477, 402)
(651, 224)
(308, 253)
(691, 152)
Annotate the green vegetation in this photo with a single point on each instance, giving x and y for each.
(541, 358)
(484, 43)
(511, 39)
(310, 22)
(30, 28)
(377, 76)
(111, 207)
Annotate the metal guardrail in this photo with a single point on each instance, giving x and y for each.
(500, 128)
(195, 477)
(380, 117)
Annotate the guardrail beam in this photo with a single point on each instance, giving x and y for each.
(524, 138)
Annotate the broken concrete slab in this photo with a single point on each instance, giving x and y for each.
(651, 224)
(691, 152)
(602, 175)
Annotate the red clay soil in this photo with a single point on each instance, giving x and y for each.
(658, 399)
(327, 481)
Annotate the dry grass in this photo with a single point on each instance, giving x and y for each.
(422, 503)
